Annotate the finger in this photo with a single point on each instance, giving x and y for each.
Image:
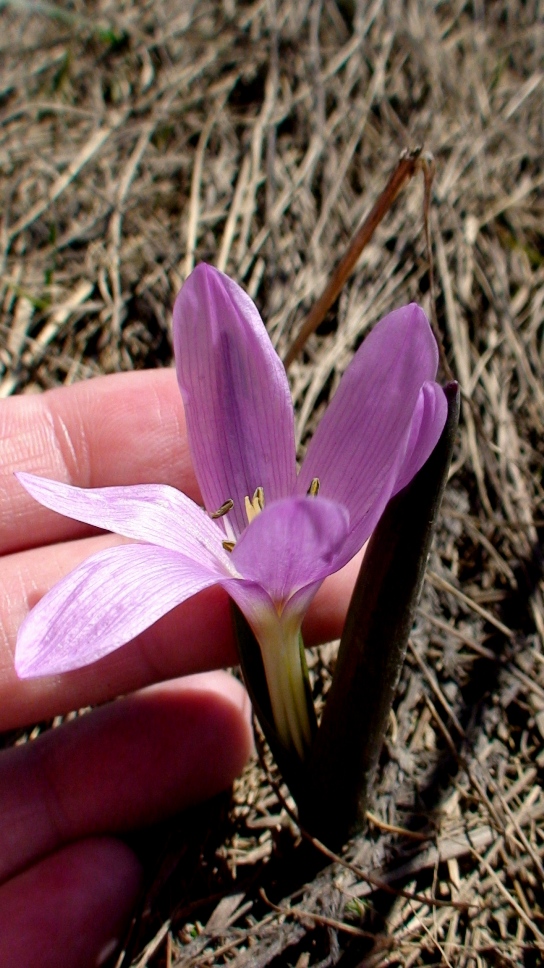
(194, 637)
(122, 766)
(71, 910)
(327, 613)
(121, 429)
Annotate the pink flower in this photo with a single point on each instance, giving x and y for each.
(276, 539)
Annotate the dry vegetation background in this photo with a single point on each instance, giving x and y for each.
(139, 138)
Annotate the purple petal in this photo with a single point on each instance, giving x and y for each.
(253, 600)
(358, 449)
(153, 513)
(105, 602)
(236, 395)
(427, 425)
(291, 544)
(299, 603)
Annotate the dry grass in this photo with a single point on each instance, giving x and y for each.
(137, 139)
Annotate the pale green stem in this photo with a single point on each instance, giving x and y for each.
(280, 650)
(299, 688)
(271, 656)
(288, 693)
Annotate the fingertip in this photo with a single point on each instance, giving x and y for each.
(327, 614)
(217, 727)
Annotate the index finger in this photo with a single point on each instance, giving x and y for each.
(127, 428)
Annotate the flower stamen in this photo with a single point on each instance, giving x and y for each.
(224, 509)
(228, 545)
(255, 504)
(313, 489)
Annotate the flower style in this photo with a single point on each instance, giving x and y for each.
(268, 534)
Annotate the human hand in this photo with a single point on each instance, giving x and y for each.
(67, 886)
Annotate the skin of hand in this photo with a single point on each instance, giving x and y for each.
(182, 731)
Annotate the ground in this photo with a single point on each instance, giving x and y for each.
(137, 139)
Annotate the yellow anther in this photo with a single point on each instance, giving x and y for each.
(228, 545)
(254, 505)
(224, 509)
(313, 489)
